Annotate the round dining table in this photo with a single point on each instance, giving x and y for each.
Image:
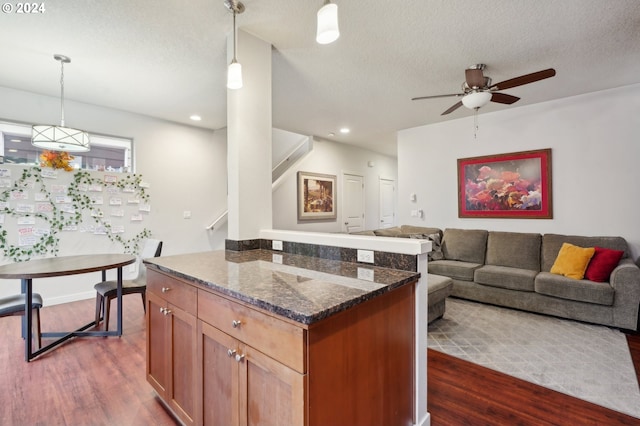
(62, 266)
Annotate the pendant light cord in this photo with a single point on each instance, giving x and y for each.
(234, 36)
(62, 93)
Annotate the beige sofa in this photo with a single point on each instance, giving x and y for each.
(512, 269)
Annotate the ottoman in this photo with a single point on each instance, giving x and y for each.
(438, 288)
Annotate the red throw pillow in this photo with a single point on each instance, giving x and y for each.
(602, 264)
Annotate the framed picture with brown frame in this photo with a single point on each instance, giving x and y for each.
(513, 185)
(316, 196)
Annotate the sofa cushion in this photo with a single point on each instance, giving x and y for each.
(454, 268)
(467, 245)
(603, 262)
(411, 229)
(572, 261)
(580, 290)
(514, 249)
(551, 244)
(388, 232)
(506, 277)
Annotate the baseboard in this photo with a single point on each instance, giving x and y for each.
(426, 420)
(69, 298)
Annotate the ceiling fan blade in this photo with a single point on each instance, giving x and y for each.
(524, 79)
(503, 98)
(453, 108)
(474, 78)
(436, 96)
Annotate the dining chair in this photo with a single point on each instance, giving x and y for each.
(15, 304)
(108, 290)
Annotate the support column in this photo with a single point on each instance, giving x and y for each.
(249, 126)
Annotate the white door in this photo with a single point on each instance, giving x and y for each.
(387, 203)
(353, 202)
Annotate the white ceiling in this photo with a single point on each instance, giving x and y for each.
(167, 58)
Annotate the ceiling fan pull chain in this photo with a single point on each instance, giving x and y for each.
(475, 123)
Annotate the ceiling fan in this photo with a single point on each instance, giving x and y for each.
(477, 89)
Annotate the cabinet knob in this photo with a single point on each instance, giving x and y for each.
(236, 323)
(165, 289)
(239, 357)
(231, 352)
(162, 310)
(166, 311)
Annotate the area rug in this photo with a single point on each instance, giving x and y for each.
(587, 361)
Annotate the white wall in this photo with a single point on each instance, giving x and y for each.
(595, 164)
(186, 167)
(334, 159)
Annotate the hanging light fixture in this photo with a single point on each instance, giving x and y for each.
(328, 31)
(60, 138)
(234, 72)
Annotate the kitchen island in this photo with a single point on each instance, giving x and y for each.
(259, 337)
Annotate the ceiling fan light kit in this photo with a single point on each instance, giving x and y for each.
(475, 100)
(478, 90)
(60, 138)
(328, 30)
(234, 71)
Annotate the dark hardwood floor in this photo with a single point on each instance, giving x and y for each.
(101, 381)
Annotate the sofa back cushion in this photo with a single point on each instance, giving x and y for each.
(551, 244)
(467, 245)
(514, 249)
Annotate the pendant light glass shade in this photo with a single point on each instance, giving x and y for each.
(328, 31)
(234, 75)
(60, 138)
(476, 99)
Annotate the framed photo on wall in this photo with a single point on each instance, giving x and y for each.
(513, 185)
(316, 196)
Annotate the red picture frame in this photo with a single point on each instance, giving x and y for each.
(513, 185)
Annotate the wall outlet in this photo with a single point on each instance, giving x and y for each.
(276, 245)
(365, 256)
(365, 274)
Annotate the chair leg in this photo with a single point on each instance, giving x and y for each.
(144, 301)
(99, 303)
(38, 336)
(107, 308)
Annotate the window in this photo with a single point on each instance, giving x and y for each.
(107, 152)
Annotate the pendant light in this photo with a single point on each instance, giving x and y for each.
(328, 31)
(234, 72)
(60, 138)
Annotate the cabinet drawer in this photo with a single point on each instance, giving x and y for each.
(278, 339)
(173, 291)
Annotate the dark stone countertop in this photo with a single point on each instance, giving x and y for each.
(304, 289)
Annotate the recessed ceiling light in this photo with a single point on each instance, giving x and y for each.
(195, 117)
(344, 130)
(16, 140)
(13, 150)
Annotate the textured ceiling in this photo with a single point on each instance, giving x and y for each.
(167, 58)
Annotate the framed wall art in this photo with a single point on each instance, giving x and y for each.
(316, 196)
(513, 185)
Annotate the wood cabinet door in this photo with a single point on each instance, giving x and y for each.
(271, 394)
(218, 397)
(158, 361)
(182, 392)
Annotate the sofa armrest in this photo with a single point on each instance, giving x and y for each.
(625, 280)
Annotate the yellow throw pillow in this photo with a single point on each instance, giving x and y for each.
(572, 261)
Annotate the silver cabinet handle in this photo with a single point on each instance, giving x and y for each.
(166, 311)
(162, 310)
(165, 289)
(231, 352)
(236, 323)
(239, 357)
